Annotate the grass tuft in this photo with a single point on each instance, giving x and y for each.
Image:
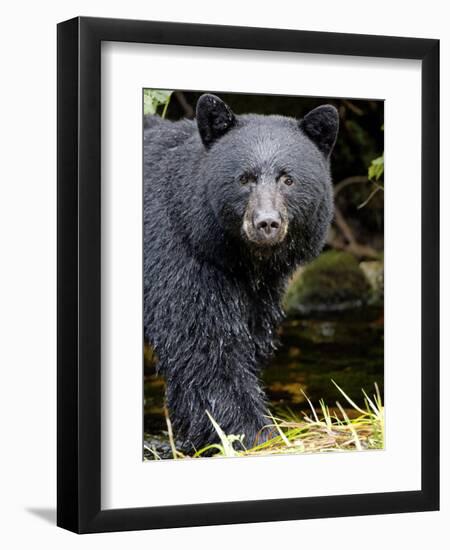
(319, 430)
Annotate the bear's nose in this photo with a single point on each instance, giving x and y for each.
(267, 224)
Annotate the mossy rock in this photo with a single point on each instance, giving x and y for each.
(332, 282)
(374, 272)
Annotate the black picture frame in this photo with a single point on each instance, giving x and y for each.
(79, 281)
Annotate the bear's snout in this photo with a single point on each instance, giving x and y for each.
(265, 220)
(267, 223)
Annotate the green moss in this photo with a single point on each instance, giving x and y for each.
(333, 279)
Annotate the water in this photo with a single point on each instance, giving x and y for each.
(347, 347)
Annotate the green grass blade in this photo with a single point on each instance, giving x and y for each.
(352, 403)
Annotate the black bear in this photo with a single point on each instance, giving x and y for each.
(232, 205)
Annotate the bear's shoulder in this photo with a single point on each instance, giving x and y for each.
(167, 133)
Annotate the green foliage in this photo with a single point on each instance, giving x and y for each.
(334, 277)
(154, 99)
(376, 168)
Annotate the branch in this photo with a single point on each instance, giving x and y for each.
(352, 245)
(353, 107)
(349, 181)
(374, 192)
(187, 108)
(343, 226)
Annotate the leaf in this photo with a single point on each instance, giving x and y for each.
(149, 106)
(376, 168)
(154, 98)
(161, 96)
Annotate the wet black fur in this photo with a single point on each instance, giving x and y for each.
(211, 298)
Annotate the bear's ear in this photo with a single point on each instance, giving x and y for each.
(214, 118)
(321, 126)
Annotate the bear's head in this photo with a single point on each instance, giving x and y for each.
(268, 177)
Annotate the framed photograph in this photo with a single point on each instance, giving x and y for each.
(248, 258)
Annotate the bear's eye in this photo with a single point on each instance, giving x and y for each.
(286, 179)
(246, 178)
